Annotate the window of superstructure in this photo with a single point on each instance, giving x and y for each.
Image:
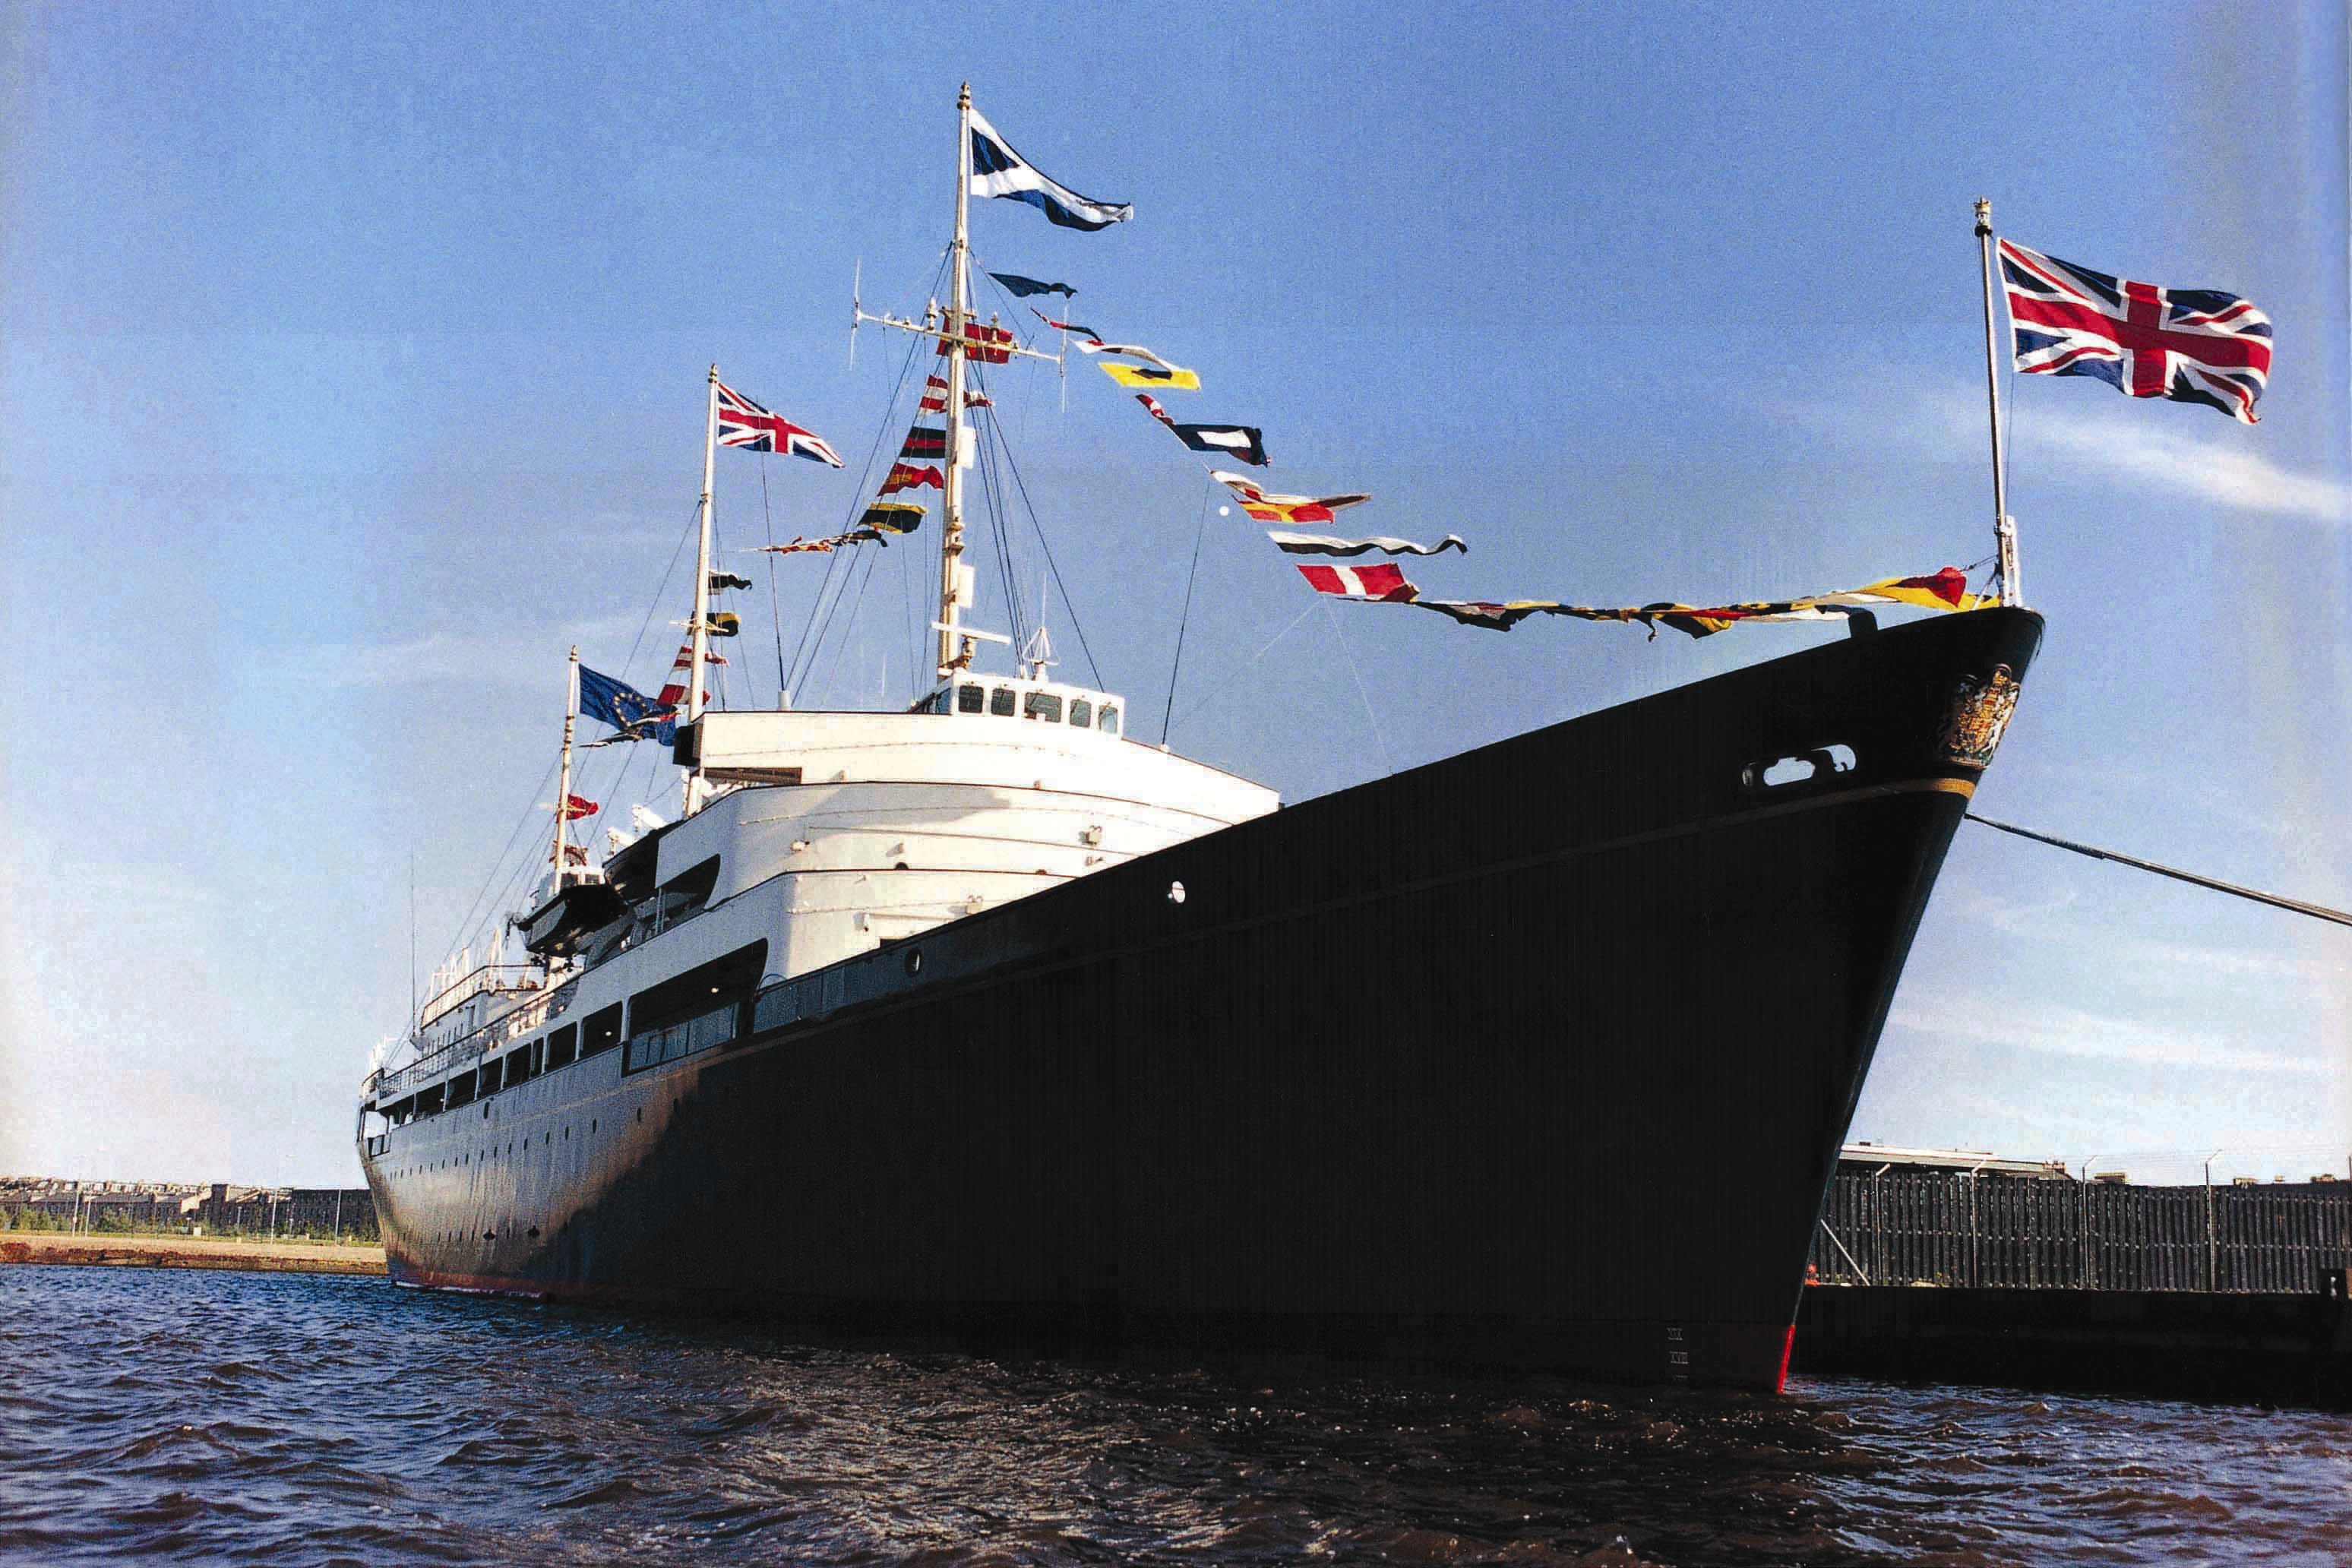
(1043, 706)
(1000, 702)
(1108, 722)
(1082, 713)
(602, 1031)
(971, 699)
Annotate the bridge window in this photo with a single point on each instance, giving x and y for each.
(1108, 722)
(1082, 712)
(1000, 702)
(970, 699)
(1044, 705)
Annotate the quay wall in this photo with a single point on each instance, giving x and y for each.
(1902, 1228)
(193, 1252)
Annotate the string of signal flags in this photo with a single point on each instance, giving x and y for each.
(1384, 582)
(2191, 345)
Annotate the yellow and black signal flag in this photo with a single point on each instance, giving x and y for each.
(1943, 590)
(892, 517)
(723, 624)
(1174, 378)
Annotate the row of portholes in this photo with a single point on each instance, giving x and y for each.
(450, 1238)
(546, 1140)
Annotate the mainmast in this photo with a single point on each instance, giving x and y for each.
(698, 630)
(563, 787)
(952, 657)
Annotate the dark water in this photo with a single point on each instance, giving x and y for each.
(251, 1418)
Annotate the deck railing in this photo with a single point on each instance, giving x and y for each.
(473, 1045)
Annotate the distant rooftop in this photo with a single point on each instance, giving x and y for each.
(1980, 1161)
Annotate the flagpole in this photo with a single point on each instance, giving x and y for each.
(951, 481)
(700, 629)
(563, 788)
(2004, 528)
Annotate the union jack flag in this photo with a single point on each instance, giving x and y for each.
(743, 423)
(2191, 345)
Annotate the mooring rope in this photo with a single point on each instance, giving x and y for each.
(2276, 902)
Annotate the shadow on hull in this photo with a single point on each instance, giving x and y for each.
(1538, 1056)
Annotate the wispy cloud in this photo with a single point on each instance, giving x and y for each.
(2071, 1032)
(2054, 921)
(2233, 472)
(502, 655)
(2129, 443)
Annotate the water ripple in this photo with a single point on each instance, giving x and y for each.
(258, 1419)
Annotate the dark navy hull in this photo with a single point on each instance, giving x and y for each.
(1537, 1057)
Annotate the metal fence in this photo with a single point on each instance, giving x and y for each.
(1933, 1227)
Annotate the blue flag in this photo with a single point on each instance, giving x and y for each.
(1025, 287)
(632, 712)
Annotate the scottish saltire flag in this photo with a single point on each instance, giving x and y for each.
(2191, 345)
(625, 709)
(998, 170)
(743, 423)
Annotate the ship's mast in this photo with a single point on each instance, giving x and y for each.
(698, 630)
(952, 657)
(946, 329)
(563, 787)
(2004, 527)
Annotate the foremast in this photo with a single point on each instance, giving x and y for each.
(563, 782)
(698, 628)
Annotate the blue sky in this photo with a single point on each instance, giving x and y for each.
(353, 372)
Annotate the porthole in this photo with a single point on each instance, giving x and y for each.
(1175, 893)
(914, 960)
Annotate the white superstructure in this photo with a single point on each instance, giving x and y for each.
(811, 838)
